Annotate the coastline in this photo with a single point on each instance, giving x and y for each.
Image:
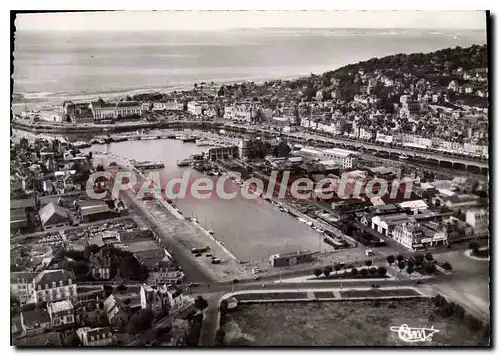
(49, 99)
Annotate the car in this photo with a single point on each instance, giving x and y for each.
(197, 255)
(256, 278)
(209, 255)
(235, 280)
(375, 285)
(419, 282)
(194, 284)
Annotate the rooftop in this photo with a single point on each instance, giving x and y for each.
(31, 317)
(56, 275)
(141, 246)
(63, 305)
(340, 152)
(51, 209)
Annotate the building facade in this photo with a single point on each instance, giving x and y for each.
(53, 285)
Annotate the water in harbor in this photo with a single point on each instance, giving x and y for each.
(265, 229)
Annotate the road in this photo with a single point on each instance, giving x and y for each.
(150, 334)
(366, 145)
(192, 270)
(67, 128)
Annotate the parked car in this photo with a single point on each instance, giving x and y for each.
(235, 280)
(375, 285)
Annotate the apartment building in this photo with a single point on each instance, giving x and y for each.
(53, 285)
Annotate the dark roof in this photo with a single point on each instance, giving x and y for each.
(32, 317)
(53, 213)
(49, 276)
(22, 203)
(127, 104)
(18, 277)
(45, 339)
(136, 235)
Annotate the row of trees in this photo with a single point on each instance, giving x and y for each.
(381, 271)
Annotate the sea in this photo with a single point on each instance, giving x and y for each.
(50, 67)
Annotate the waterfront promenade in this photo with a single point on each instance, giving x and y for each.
(306, 138)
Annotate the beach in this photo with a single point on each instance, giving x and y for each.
(52, 67)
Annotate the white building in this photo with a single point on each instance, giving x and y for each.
(384, 138)
(21, 285)
(240, 112)
(479, 220)
(52, 285)
(415, 206)
(61, 313)
(196, 108)
(121, 109)
(408, 234)
(385, 224)
(345, 158)
(95, 336)
(168, 105)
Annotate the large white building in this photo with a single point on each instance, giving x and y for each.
(344, 158)
(196, 108)
(21, 285)
(61, 313)
(479, 220)
(95, 336)
(53, 285)
(168, 105)
(240, 112)
(103, 110)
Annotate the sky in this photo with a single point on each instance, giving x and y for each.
(221, 20)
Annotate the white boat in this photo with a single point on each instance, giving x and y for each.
(309, 223)
(403, 156)
(302, 220)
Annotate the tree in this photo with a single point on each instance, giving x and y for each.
(419, 259)
(368, 263)
(429, 267)
(409, 269)
(373, 270)
(219, 337)
(447, 266)
(326, 272)
(390, 259)
(337, 268)
(400, 258)
(89, 250)
(354, 271)
(223, 307)
(329, 268)
(140, 321)
(317, 272)
(200, 303)
(428, 257)
(382, 271)
(364, 271)
(411, 263)
(473, 246)
(401, 265)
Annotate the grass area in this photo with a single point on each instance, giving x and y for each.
(323, 294)
(379, 293)
(268, 296)
(481, 253)
(350, 276)
(342, 323)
